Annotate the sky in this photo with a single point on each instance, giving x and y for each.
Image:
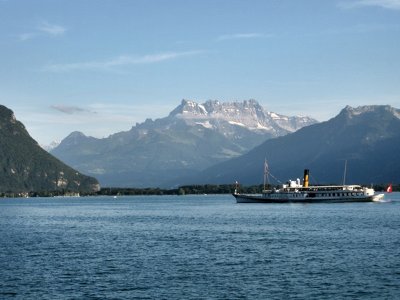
(101, 66)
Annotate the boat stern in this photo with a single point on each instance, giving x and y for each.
(378, 197)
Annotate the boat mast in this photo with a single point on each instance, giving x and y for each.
(345, 170)
(266, 171)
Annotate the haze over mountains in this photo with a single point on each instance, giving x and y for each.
(191, 138)
(203, 144)
(26, 167)
(368, 137)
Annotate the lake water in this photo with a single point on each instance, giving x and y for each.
(197, 247)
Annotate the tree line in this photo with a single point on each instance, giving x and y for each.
(182, 190)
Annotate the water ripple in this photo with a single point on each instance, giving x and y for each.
(197, 248)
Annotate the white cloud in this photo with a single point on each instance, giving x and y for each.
(51, 29)
(237, 36)
(27, 36)
(118, 62)
(388, 4)
(43, 29)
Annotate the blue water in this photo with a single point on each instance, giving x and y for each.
(197, 247)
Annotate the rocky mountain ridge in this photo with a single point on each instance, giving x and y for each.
(249, 114)
(26, 167)
(191, 138)
(367, 137)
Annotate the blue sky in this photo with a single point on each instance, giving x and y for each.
(100, 66)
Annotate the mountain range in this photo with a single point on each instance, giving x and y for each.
(367, 137)
(26, 167)
(210, 143)
(190, 139)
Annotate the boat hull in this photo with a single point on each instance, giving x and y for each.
(241, 198)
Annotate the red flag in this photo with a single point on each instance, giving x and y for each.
(389, 188)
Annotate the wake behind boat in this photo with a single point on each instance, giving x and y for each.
(294, 192)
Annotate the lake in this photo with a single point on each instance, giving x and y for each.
(197, 247)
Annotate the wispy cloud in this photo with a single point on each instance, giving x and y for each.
(51, 29)
(43, 29)
(69, 109)
(387, 4)
(120, 61)
(237, 36)
(27, 36)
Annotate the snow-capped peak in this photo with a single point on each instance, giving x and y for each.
(50, 146)
(188, 107)
(248, 113)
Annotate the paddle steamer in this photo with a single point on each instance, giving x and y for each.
(295, 192)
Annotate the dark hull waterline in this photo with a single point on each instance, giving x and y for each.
(261, 199)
